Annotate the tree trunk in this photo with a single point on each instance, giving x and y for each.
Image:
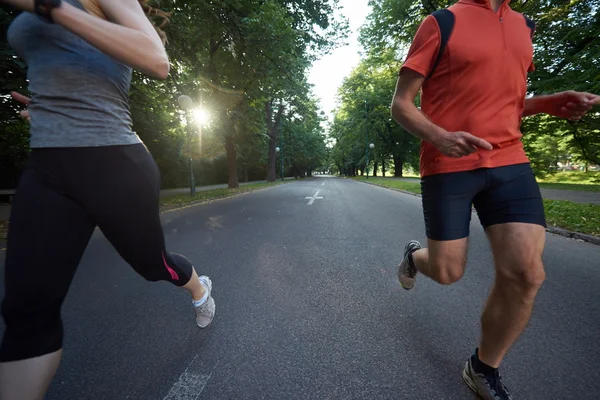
(231, 162)
(398, 165)
(383, 167)
(375, 165)
(272, 161)
(213, 73)
(245, 172)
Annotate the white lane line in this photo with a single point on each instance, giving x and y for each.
(189, 386)
(323, 184)
(313, 198)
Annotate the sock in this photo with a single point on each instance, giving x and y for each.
(198, 303)
(480, 367)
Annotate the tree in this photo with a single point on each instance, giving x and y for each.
(246, 51)
(364, 116)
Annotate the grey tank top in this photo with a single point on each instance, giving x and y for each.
(80, 96)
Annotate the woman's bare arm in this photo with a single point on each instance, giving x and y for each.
(130, 38)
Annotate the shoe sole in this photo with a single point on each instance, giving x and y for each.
(405, 287)
(209, 285)
(209, 322)
(469, 381)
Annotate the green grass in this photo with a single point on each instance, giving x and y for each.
(572, 180)
(571, 186)
(582, 218)
(573, 177)
(207, 195)
(411, 187)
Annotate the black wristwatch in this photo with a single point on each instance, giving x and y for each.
(44, 8)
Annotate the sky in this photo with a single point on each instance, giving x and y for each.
(328, 73)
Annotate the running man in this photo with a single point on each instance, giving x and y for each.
(87, 168)
(471, 153)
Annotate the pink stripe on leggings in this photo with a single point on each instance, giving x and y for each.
(174, 275)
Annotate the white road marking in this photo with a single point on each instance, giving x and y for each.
(313, 198)
(323, 184)
(189, 386)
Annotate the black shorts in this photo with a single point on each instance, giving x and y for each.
(500, 195)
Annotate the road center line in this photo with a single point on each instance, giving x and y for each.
(312, 199)
(189, 386)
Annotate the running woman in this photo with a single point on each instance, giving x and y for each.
(472, 106)
(87, 168)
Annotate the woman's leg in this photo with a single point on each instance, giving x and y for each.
(124, 202)
(48, 234)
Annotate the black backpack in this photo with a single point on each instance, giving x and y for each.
(445, 20)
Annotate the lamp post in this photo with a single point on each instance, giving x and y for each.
(281, 144)
(371, 146)
(185, 103)
(277, 150)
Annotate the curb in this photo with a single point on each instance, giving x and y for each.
(551, 229)
(574, 235)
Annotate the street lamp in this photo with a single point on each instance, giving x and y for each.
(185, 103)
(371, 146)
(277, 149)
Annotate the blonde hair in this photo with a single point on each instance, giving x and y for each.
(158, 18)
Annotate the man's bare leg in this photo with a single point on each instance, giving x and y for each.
(517, 249)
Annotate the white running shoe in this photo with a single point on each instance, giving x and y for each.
(206, 311)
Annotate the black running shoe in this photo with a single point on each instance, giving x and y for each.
(487, 387)
(407, 273)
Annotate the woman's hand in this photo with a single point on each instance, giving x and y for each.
(23, 100)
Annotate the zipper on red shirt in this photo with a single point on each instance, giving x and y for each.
(503, 29)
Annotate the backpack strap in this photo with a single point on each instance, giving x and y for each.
(531, 25)
(445, 21)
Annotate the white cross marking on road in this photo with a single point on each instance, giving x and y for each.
(313, 198)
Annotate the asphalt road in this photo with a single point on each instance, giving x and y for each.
(308, 308)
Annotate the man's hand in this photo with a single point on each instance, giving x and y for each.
(570, 104)
(23, 100)
(460, 144)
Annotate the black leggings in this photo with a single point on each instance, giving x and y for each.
(62, 196)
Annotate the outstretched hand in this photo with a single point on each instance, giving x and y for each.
(460, 144)
(572, 105)
(23, 100)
